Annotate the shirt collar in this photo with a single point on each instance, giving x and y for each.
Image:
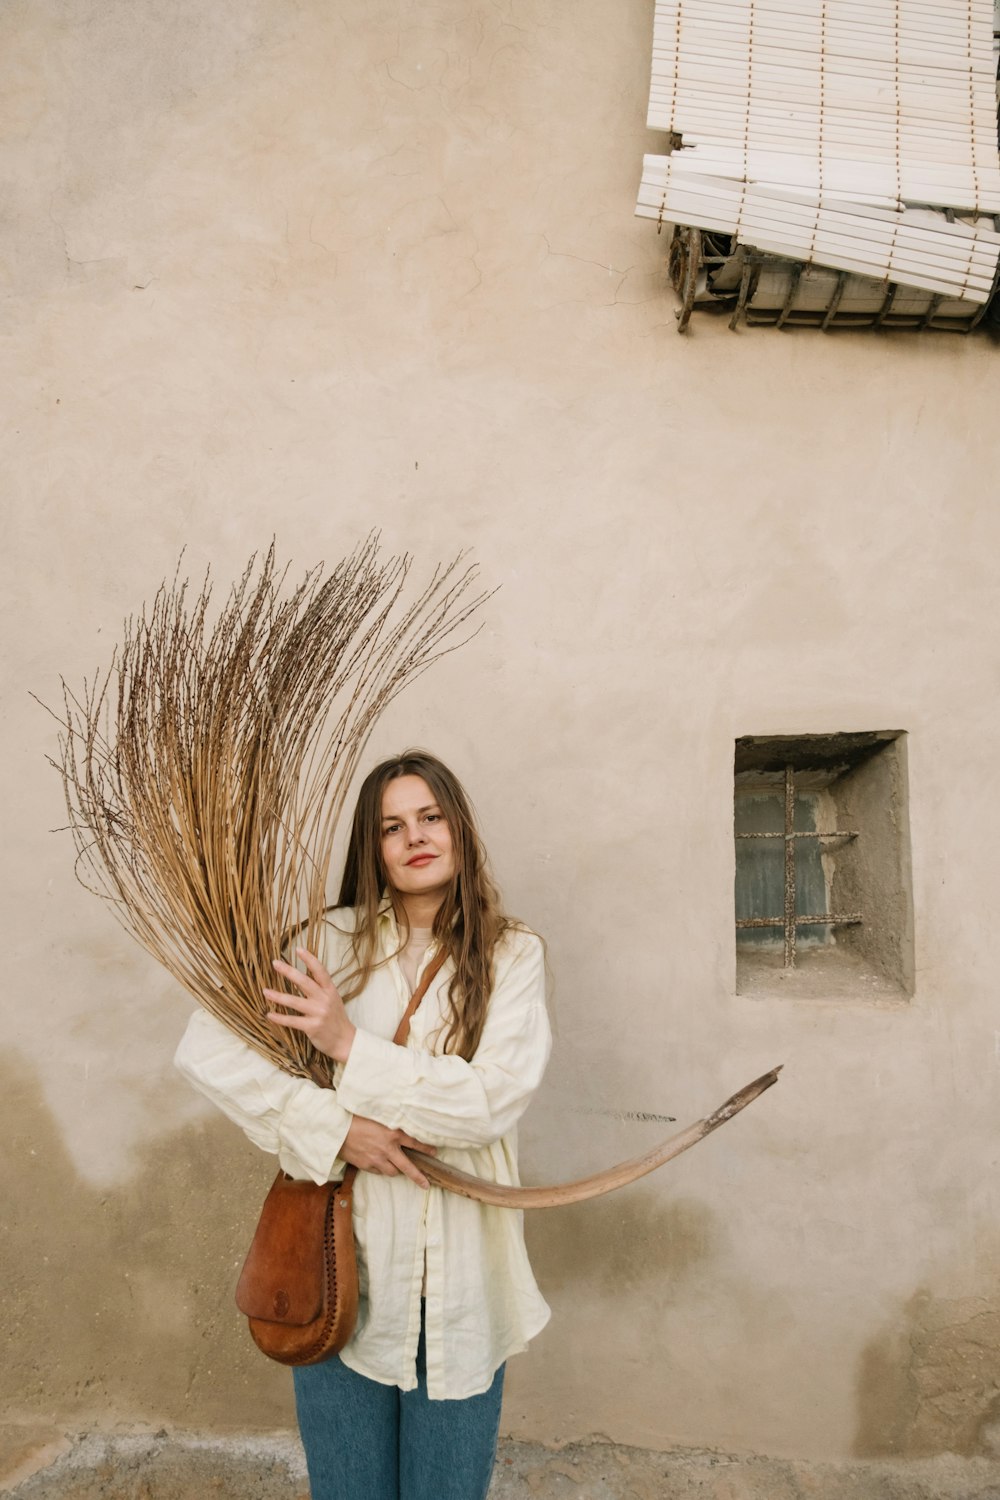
(389, 927)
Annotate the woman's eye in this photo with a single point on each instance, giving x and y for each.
(433, 818)
(393, 828)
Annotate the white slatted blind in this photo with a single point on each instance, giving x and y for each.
(829, 131)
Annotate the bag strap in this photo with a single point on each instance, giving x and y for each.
(346, 1185)
(428, 977)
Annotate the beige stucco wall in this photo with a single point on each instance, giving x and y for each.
(307, 268)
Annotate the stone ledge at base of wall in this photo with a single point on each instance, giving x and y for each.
(44, 1465)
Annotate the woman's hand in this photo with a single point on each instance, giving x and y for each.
(321, 1014)
(376, 1148)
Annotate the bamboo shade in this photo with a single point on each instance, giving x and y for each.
(844, 133)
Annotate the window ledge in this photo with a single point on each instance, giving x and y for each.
(821, 973)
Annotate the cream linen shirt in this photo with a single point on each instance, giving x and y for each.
(482, 1304)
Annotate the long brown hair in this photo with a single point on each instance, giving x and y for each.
(470, 919)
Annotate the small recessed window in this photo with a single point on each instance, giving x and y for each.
(823, 890)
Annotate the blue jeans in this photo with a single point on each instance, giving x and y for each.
(366, 1441)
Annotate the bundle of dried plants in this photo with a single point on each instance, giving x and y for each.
(206, 770)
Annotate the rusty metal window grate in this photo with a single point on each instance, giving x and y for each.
(822, 889)
(790, 920)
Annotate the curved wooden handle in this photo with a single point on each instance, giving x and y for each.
(501, 1196)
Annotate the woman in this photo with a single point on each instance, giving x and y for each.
(410, 1409)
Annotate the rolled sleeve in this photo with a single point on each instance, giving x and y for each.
(293, 1119)
(444, 1100)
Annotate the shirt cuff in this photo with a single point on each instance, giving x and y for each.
(313, 1128)
(375, 1077)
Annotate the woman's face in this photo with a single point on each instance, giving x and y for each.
(417, 849)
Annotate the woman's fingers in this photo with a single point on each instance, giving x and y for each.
(316, 969)
(329, 1028)
(376, 1148)
(407, 1140)
(301, 981)
(297, 1023)
(302, 1003)
(320, 979)
(402, 1163)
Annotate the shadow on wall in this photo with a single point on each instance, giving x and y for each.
(621, 1241)
(119, 1302)
(930, 1382)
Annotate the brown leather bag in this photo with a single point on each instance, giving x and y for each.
(299, 1284)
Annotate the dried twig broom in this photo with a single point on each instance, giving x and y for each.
(205, 772)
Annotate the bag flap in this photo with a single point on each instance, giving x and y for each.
(284, 1276)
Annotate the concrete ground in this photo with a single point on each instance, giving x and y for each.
(36, 1464)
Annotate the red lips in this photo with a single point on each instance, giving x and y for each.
(421, 859)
